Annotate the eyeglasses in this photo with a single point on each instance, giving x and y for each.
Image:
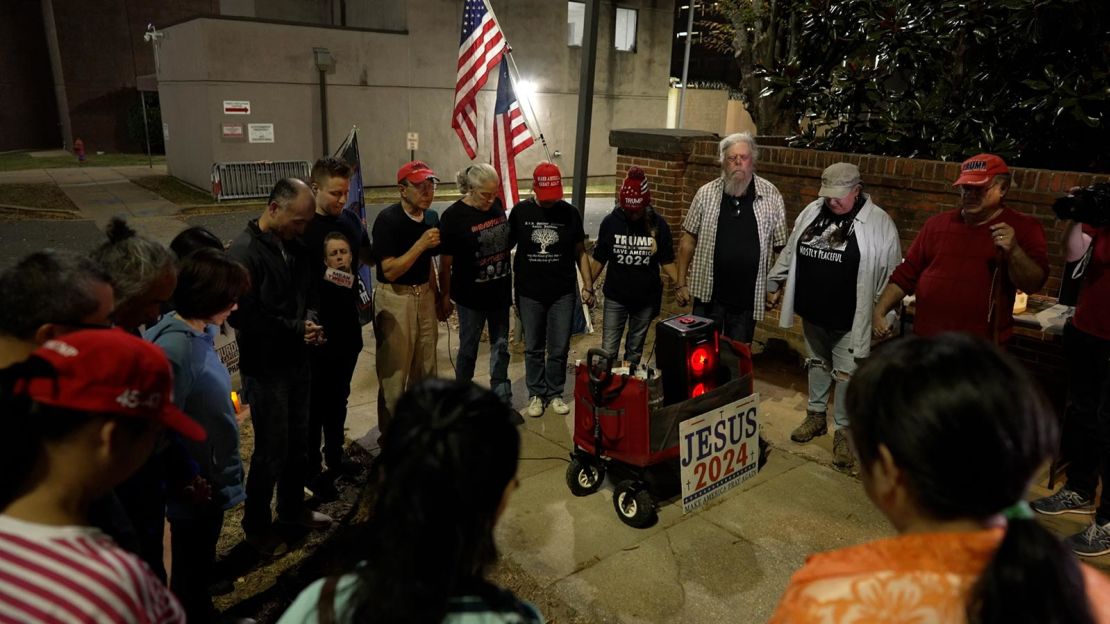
(736, 159)
(427, 186)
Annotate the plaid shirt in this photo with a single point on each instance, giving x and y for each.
(701, 222)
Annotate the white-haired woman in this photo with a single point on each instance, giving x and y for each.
(475, 270)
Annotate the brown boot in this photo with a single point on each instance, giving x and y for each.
(814, 425)
(842, 451)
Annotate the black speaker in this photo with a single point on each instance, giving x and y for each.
(687, 354)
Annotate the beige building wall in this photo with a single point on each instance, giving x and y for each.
(389, 83)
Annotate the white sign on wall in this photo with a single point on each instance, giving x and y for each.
(413, 141)
(237, 107)
(718, 451)
(165, 131)
(260, 133)
(231, 130)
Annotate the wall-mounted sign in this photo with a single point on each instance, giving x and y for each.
(237, 107)
(413, 141)
(165, 131)
(260, 133)
(231, 130)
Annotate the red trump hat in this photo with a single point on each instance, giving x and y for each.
(547, 182)
(980, 170)
(108, 371)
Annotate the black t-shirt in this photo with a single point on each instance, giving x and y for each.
(479, 243)
(827, 265)
(736, 254)
(546, 240)
(633, 256)
(394, 234)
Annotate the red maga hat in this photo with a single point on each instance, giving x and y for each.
(108, 371)
(981, 169)
(547, 182)
(415, 172)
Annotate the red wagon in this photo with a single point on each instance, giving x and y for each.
(626, 424)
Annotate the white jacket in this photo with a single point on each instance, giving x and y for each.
(880, 251)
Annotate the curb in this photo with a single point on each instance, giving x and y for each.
(29, 213)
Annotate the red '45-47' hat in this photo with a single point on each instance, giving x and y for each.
(108, 371)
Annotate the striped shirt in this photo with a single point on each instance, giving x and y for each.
(76, 574)
(701, 221)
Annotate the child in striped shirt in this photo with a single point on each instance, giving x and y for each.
(81, 414)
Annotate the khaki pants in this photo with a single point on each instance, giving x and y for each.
(405, 332)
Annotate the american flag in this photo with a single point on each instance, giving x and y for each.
(510, 137)
(480, 49)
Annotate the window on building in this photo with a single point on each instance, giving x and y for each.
(624, 37)
(576, 23)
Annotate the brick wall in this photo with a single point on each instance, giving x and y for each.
(677, 163)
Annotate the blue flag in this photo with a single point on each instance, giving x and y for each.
(356, 207)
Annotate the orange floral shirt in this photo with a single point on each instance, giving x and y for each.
(909, 579)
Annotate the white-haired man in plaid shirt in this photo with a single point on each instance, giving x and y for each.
(733, 225)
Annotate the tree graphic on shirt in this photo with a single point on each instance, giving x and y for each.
(544, 238)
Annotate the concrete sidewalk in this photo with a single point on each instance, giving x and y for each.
(80, 175)
(727, 562)
(103, 192)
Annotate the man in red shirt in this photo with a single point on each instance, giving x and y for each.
(966, 264)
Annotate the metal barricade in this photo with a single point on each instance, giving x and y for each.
(246, 180)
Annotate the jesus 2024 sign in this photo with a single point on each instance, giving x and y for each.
(720, 450)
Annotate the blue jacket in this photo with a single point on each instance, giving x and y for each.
(202, 389)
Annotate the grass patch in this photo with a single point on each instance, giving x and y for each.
(21, 161)
(174, 190)
(46, 196)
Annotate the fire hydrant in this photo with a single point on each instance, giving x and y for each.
(79, 149)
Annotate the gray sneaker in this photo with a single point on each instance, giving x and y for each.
(1092, 542)
(814, 425)
(1062, 502)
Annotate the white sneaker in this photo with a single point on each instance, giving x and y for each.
(535, 407)
(559, 406)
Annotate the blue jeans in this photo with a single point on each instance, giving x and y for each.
(279, 412)
(736, 325)
(471, 321)
(546, 342)
(638, 320)
(830, 362)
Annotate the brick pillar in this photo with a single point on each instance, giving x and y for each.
(667, 158)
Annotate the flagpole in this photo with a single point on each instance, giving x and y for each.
(528, 102)
(514, 69)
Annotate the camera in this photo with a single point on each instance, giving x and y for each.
(1090, 205)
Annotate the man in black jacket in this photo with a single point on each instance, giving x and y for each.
(275, 322)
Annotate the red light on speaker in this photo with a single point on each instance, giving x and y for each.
(700, 361)
(698, 390)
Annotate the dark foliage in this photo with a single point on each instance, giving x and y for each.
(1026, 79)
